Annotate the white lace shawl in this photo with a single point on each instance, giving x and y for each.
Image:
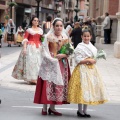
(50, 69)
(84, 51)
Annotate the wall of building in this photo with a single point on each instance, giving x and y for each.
(113, 6)
(2, 10)
(98, 9)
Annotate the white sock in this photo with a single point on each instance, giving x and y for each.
(80, 108)
(52, 107)
(85, 108)
(44, 107)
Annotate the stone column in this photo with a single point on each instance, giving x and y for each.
(117, 43)
(91, 8)
(106, 5)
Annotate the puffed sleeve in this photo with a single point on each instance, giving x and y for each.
(79, 54)
(26, 36)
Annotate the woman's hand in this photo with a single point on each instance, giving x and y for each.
(60, 56)
(24, 51)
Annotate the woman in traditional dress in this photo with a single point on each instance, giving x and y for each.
(85, 85)
(10, 31)
(54, 71)
(19, 35)
(27, 66)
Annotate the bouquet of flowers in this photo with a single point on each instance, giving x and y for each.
(100, 54)
(66, 49)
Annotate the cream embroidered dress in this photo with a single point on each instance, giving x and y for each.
(27, 66)
(86, 85)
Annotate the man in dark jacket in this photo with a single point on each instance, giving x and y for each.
(76, 34)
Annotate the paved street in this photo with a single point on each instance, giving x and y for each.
(17, 96)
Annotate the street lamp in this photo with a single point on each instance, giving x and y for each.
(76, 10)
(56, 5)
(76, 4)
(11, 4)
(11, 11)
(38, 4)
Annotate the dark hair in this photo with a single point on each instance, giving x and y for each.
(107, 14)
(49, 18)
(32, 21)
(86, 30)
(56, 21)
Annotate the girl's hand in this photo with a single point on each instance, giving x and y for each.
(91, 61)
(60, 56)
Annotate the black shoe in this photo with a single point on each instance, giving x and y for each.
(87, 115)
(10, 45)
(0, 101)
(80, 115)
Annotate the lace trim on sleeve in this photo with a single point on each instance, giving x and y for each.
(25, 40)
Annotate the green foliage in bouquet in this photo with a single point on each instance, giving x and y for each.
(42, 38)
(100, 54)
(66, 49)
(0, 32)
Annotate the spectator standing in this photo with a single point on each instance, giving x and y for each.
(106, 27)
(76, 34)
(24, 24)
(94, 28)
(47, 25)
(10, 31)
(0, 36)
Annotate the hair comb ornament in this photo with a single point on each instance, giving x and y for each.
(86, 28)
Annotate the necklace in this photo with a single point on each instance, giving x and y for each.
(57, 35)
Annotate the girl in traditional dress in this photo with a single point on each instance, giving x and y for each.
(27, 66)
(54, 71)
(19, 35)
(10, 31)
(85, 85)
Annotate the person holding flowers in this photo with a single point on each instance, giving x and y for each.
(86, 86)
(27, 66)
(54, 71)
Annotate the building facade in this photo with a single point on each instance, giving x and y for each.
(97, 9)
(25, 9)
(3, 8)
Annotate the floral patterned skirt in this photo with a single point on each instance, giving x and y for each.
(27, 66)
(86, 86)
